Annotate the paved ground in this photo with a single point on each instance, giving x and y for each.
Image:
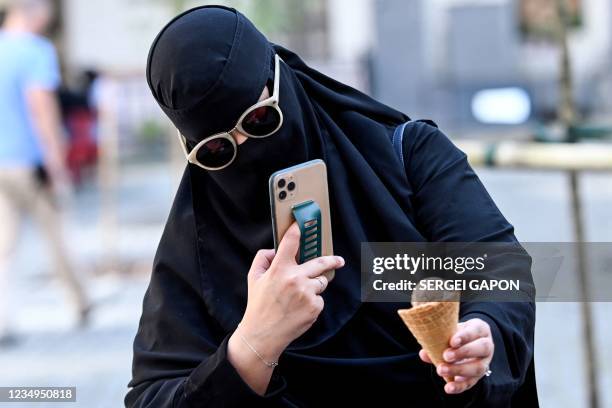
(97, 359)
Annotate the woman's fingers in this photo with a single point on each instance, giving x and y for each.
(289, 245)
(460, 385)
(470, 331)
(264, 258)
(262, 261)
(317, 266)
(468, 357)
(471, 368)
(479, 348)
(424, 356)
(319, 284)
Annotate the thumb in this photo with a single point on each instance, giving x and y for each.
(289, 245)
(424, 356)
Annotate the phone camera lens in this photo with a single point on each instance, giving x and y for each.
(291, 186)
(281, 183)
(282, 195)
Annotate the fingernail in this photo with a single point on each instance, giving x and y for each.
(340, 260)
(452, 388)
(457, 341)
(449, 356)
(443, 370)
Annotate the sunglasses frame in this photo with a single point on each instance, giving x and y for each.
(271, 101)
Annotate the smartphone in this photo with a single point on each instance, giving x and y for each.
(294, 185)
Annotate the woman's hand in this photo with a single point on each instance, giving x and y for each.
(284, 300)
(469, 356)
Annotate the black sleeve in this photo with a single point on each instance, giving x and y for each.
(214, 383)
(180, 352)
(452, 205)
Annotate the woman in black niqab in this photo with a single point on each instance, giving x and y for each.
(205, 68)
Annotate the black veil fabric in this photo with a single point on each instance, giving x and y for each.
(323, 119)
(205, 68)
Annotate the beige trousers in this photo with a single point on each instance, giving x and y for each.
(20, 195)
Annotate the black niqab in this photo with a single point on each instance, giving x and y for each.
(205, 68)
(322, 119)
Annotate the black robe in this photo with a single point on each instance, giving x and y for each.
(356, 353)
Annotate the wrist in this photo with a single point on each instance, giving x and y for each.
(248, 366)
(269, 345)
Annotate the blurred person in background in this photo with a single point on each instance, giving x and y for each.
(32, 151)
(78, 105)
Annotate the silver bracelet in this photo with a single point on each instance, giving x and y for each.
(270, 364)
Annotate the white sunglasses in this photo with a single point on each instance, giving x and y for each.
(260, 120)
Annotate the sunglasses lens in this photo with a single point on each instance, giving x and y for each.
(216, 153)
(261, 121)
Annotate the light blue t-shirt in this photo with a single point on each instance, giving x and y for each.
(26, 61)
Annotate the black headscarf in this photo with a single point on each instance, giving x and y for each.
(205, 68)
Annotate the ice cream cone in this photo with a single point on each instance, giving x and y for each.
(433, 324)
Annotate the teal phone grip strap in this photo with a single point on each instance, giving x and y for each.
(308, 217)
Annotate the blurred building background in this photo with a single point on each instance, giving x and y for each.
(429, 58)
(464, 47)
(485, 68)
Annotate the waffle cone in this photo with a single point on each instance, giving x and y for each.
(432, 324)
